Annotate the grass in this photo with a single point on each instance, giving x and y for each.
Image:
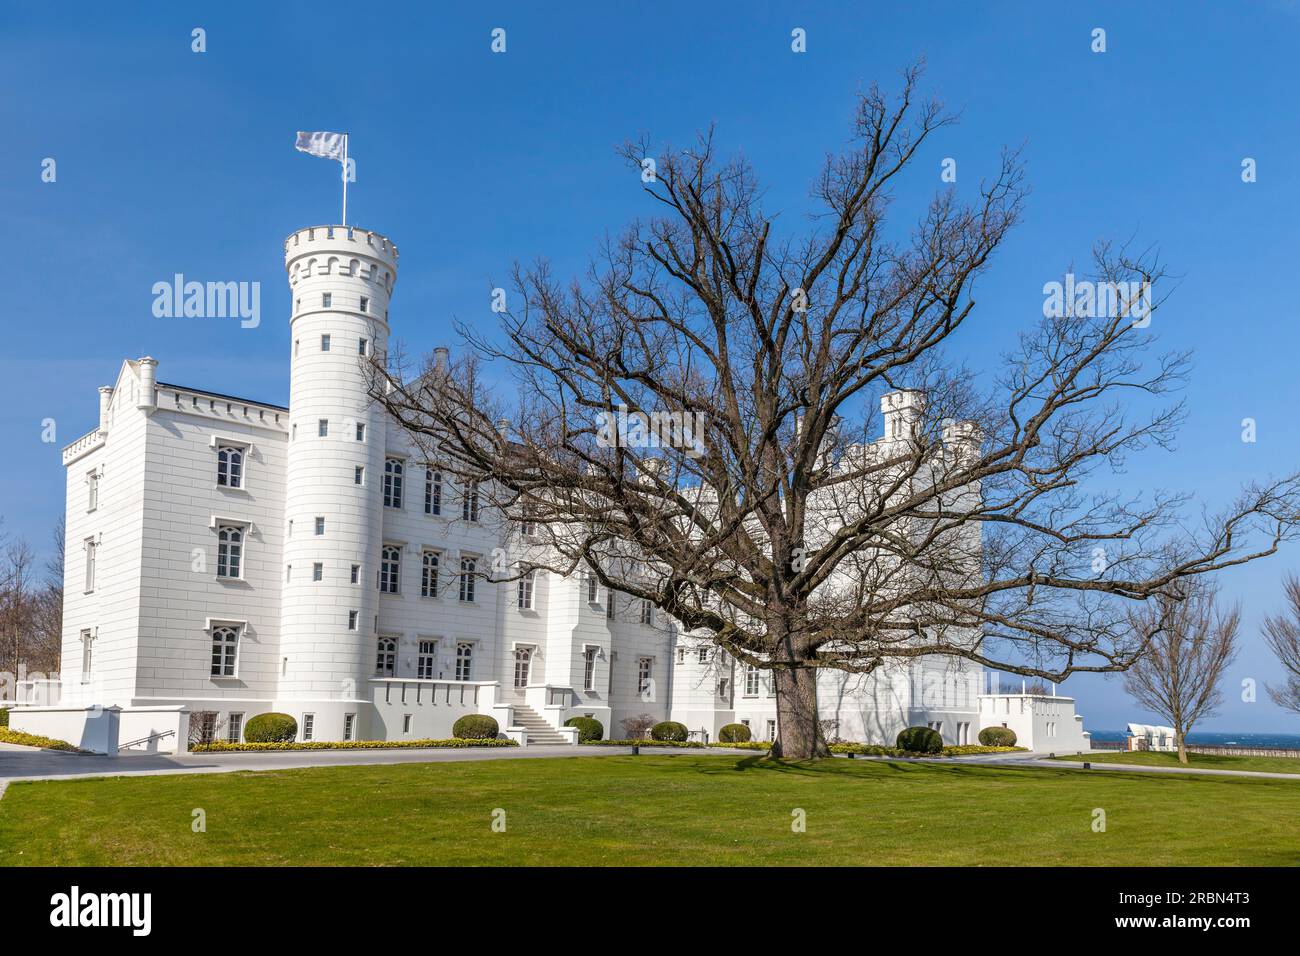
(1155, 758)
(663, 810)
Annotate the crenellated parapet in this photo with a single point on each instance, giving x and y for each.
(341, 252)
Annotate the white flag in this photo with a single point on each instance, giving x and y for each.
(325, 145)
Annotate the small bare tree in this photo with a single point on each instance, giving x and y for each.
(1179, 672)
(638, 727)
(1282, 634)
(697, 428)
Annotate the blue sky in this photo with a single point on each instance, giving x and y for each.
(172, 161)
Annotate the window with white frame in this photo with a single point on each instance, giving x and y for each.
(610, 600)
(352, 620)
(464, 660)
(318, 571)
(425, 661)
(469, 503)
(234, 725)
(308, 726)
(390, 569)
(429, 562)
(87, 639)
(355, 577)
(359, 475)
(523, 662)
(225, 649)
(365, 304)
(349, 725)
(703, 653)
(432, 491)
(644, 674)
(324, 343)
(589, 668)
(320, 524)
(323, 428)
(406, 723)
(91, 548)
(386, 657)
(681, 655)
(230, 548)
(593, 589)
(751, 680)
(468, 567)
(92, 490)
(361, 431)
(393, 469)
(526, 591)
(647, 612)
(326, 300)
(771, 730)
(363, 346)
(230, 466)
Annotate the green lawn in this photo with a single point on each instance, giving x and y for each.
(686, 810)
(1152, 758)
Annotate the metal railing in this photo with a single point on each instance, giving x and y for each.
(144, 740)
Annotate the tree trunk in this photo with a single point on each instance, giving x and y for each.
(1182, 746)
(798, 731)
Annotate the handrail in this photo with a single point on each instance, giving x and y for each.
(145, 740)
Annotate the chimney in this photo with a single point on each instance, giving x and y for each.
(440, 360)
(503, 427)
(962, 438)
(902, 411)
(105, 406)
(148, 379)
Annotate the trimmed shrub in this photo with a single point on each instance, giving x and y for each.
(475, 727)
(270, 728)
(733, 734)
(998, 737)
(4, 716)
(920, 740)
(669, 730)
(589, 728)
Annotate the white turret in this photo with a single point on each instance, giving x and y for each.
(341, 278)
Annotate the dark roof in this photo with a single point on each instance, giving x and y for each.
(223, 396)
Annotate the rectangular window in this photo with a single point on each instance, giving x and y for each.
(432, 492)
(225, 646)
(361, 431)
(230, 466)
(681, 655)
(317, 571)
(589, 668)
(230, 548)
(365, 304)
(464, 660)
(324, 343)
(704, 655)
(644, 676)
(429, 573)
(359, 475)
(92, 491)
(233, 728)
(349, 725)
(363, 347)
(352, 620)
(771, 730)
(386, 658)
(647, 612)
(593, 589)
(523, 663)
(91, 547)
(323, 428)
(467, 568)
(86, 641)
(469, 504)
(326, 300)
(390, 569)
(393, 469)
(356, 574)
(609, 605)
(320, 525)
(424, 663)
(308, 726)
(526, 591)
(751, 680)
(406, 723)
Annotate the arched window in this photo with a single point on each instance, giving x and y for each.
(230, 466)
(230, 545)
(469, 504)
(390, 569)
(386, 659)
(432, 492)
(393, 469)
(225, 643)
(523, 661)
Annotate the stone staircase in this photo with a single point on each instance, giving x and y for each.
(540, 733)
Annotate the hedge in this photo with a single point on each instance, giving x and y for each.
(4, 716)
(270, 728)
(643, 742)
(8, 736)
(998, 737)
(669, 730)
(475, 727)
(451, 742)
(589, 728)
(921, 740)
(734, 734)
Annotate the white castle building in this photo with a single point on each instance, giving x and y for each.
(233, 556)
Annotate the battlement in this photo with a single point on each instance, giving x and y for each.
(341, 250)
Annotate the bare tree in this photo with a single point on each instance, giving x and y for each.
(1282, 634)
(1178, 674)
(696, 427)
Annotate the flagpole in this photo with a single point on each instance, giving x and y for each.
(345, 179)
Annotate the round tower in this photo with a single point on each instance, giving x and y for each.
(341, 279)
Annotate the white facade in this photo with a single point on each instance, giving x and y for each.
(1043, 723)
(232, 555)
